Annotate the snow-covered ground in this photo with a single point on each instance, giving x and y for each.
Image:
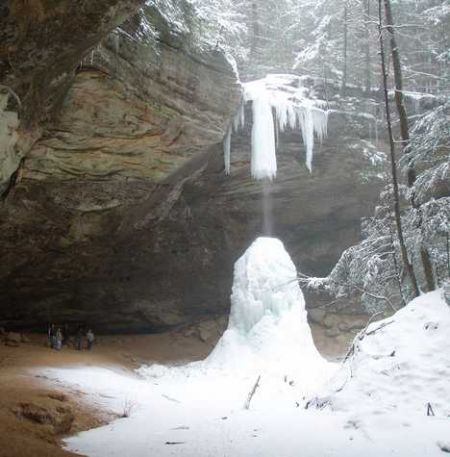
(374, 405)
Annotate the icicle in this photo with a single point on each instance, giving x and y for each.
(277, 131)
(307, 127)
(237, 121)
(264, 161)
(293, 109)
(227, 150)
(320, 121)
(291, 117)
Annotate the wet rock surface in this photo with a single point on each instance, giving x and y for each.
(133, 255)
(139, 112)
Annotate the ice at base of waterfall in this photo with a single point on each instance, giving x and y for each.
(268, 335)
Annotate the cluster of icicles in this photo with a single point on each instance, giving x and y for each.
(284, 96)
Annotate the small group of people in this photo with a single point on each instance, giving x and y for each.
(58, 337)
(55, 337)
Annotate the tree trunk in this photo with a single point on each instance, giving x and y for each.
(404, 128)
(397, 270)
(427, 269)
(345, 50)
(255, 32)
(398, 221)
(367, 50)
(448, 254)
(398, 79)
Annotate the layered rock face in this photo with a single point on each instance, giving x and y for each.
(139, 255)
(142, 106)
(120, 215)
(41, 44)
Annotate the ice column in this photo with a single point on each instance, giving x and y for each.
(294, 108)
(264, 160)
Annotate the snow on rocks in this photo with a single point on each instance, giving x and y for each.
(294, 105)
(398, 366)
(444, 446)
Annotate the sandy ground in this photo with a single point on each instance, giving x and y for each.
(29, 410)
(34, 418)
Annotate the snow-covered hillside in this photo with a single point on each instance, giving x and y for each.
(399, 365)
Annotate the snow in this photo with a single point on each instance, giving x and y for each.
(375, 405)
(400, 365)
(294, 106)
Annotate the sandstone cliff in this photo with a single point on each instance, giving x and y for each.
(119, 213)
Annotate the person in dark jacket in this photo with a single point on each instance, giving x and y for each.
(50, 334)
(79, 338)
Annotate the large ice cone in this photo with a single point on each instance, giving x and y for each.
(268, 332)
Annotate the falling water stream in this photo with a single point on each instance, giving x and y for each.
(267, 208)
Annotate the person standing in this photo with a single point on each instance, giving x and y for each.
(90, 339)
(78, 338)
(50, 335)
(58, 340)
(65, 335)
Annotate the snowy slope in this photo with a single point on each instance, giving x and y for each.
(401, 363)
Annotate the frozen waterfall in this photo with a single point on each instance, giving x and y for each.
(268, 334)
(279, 102)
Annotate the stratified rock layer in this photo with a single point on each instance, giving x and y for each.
(118, 213)
(135, 255)
(42, 42)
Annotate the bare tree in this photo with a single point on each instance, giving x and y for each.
(404, 128)
(345, 48)
(398, 221)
